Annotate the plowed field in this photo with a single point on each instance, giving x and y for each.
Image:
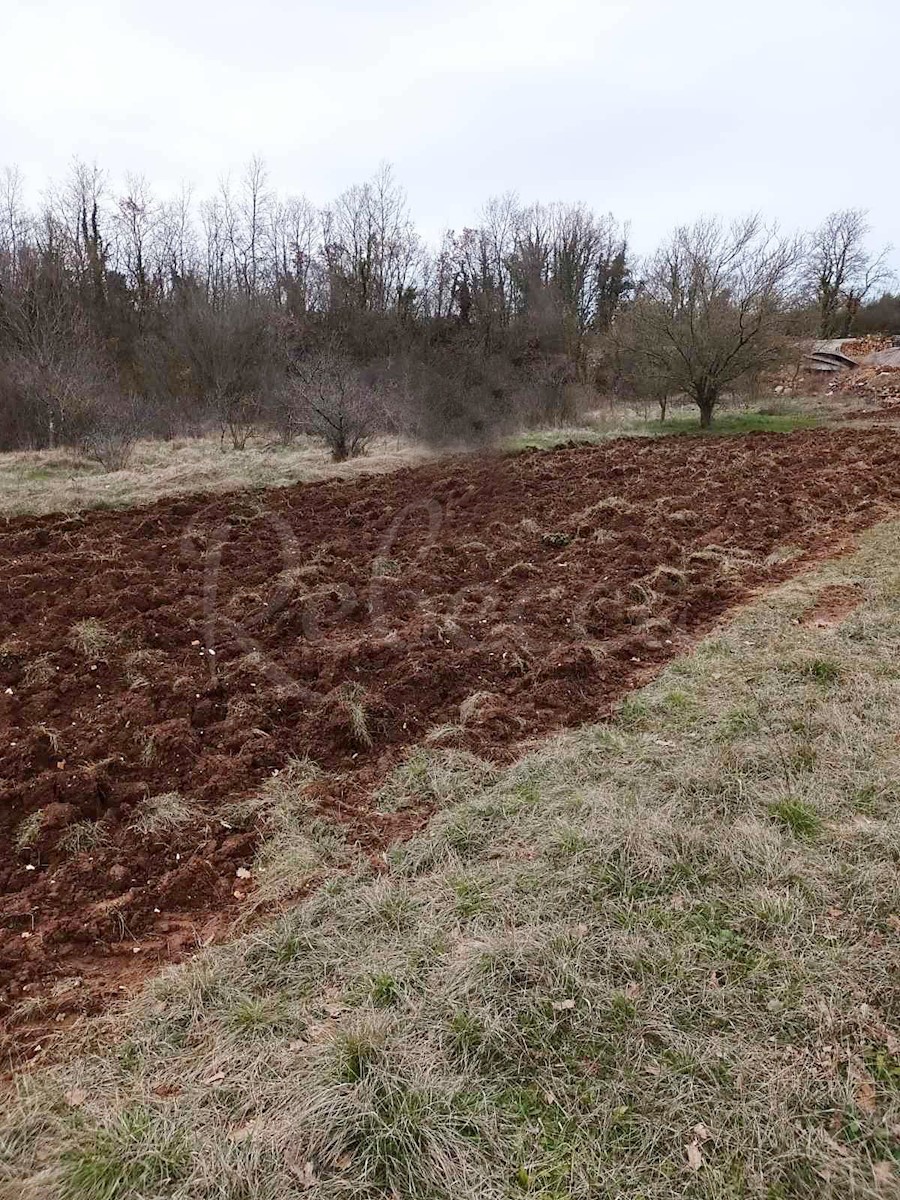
(195, 645)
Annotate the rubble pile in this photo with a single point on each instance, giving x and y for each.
(870, 344)
(877, 386)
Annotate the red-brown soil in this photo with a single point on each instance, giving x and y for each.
(833, 605)
(552, 582)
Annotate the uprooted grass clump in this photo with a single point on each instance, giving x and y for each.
(28, 831)
(350, 700)
(163, 814)
(91, 637)
(81, 836)
(655, 958)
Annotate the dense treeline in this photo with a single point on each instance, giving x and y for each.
(124, 313)
(249, 308)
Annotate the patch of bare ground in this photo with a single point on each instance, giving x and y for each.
(833, 604)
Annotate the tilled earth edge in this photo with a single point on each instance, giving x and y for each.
(195, 645)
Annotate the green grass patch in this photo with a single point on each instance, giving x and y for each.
(797, 816)
(726, 421)
(686, 421)
(553, 439)
(138, 1154)
(822, 670)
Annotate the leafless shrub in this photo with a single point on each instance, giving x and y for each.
(239, 416)
(550, 394)
(51, 400)
(283, 414)
(332, 399)
(112, 431)
(461, 395)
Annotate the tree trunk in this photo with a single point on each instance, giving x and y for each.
(706, 402)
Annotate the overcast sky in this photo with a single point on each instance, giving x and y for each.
(653, 109)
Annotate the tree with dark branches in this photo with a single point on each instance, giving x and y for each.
(710, 308)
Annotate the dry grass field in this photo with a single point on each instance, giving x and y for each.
(48, 481)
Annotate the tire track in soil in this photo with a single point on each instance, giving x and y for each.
(553, 582)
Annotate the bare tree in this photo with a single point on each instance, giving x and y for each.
(370, 247)
(333, 401)
(291, 251)
(553, 273)
(138, 223)
(55, 364)
(841, 272)
(632, 374)
(177, 240)
(217, 279)
(710, 308)
(13, 225)
(80, 214)
(111, 430)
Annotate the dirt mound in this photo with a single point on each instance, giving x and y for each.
(156, 665)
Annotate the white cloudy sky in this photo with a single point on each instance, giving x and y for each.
(655, 109)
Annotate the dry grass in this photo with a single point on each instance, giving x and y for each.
(39, 670)
(439, 777)
(351, 700)
(59, 481)
(81, 836)
(655, 958)
(91, 638)
(163, 814)
(297, 846)
(28, 831)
